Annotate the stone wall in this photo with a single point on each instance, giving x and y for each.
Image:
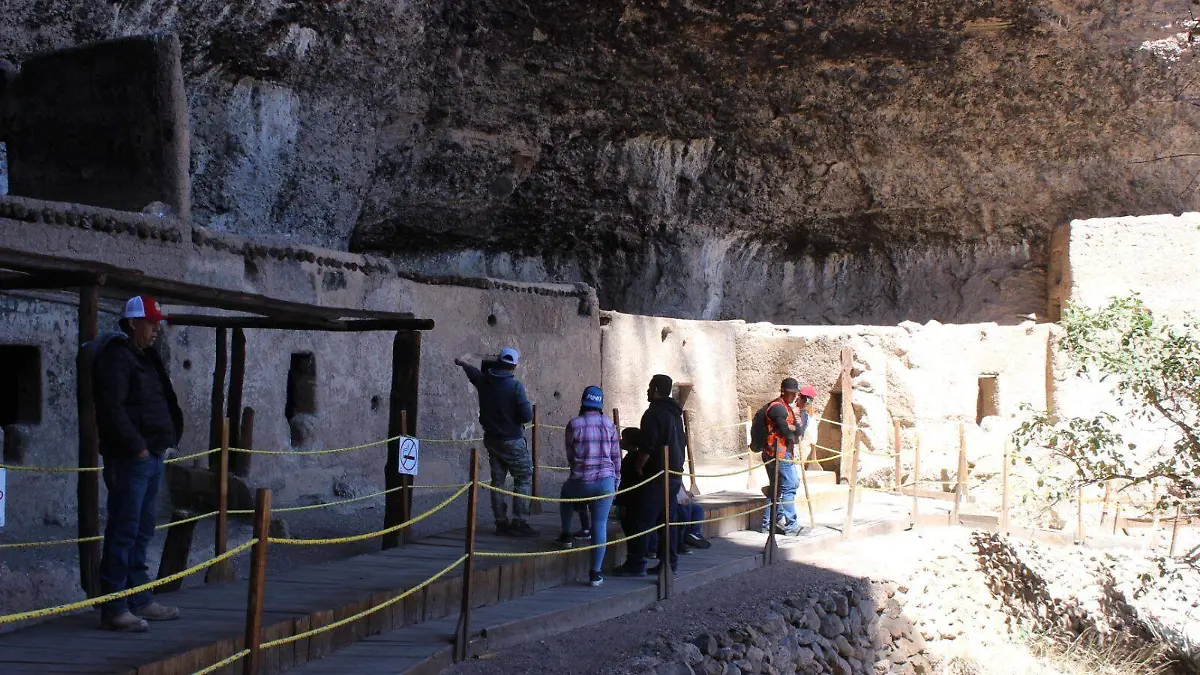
(555, 327)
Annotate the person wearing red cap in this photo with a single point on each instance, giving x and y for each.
(138, 420)
(785, 430)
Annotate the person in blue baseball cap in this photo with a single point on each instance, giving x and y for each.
(594, 456)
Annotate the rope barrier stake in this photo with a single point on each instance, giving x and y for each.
(534, 451)
(916, 481)
(87, 499)
(896, 454)
(462, 637)
(1175, 529)
(222, 572)
(848, 526)
(769, 551)
(691, 457)
(258, 579)
(665, 574)
(812, 520)
(1004, 490)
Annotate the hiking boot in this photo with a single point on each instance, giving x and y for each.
(583, 534)
(157, 612)
(520, 528)
(564, 541)
(124, 622)
(627, 571)
(696, 541)
(595, 579)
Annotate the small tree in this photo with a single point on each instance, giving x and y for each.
(1153, 367)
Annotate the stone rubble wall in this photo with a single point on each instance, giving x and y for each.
(846, 630)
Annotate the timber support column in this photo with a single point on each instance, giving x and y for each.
(217, 419)
(233, 410)
(848, 426)
(402, 419)
(88, 486)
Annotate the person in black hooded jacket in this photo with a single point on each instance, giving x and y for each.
(662, 425)
(138, 420)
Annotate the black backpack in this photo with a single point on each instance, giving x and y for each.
(758, 428)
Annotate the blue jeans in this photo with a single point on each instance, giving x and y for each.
(645, 512)
(513, 457)
(789, 483)
(575, 488)
(132, 494)
(680, 514)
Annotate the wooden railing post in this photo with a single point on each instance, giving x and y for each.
(773, 509)
(1079, 535)
(217, 398)
(402, 416)
(535, 506)
(960, 482)
(462, 638)
(1107, 501)
(848, 526)
(665, 575)
(916, 482)
(1116, 518)
(222, 571)
(258, 580)
(88, 482)
(1175, 528)
(849, 431)
(617, 421)
(691, 457)
(812, 520)
(896, 454)
(1004, 489)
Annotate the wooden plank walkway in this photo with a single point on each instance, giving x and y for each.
(212, 624)
(426, 649)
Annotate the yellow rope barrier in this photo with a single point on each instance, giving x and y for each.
(82, 540)
(194, 455)
(383, 605)
(567, 500)
(555, 468)
(223, 662)
(84, 604)
(732, 515)
(89, 469)
(563, 551)
(370, 535)
(724, 475)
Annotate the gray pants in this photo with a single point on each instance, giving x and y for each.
(513, 457)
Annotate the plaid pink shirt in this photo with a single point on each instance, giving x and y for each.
(593, 448)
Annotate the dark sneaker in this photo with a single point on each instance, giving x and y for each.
(502, 528)
(627, 571)
(653, 555)
(125, 622)
(653, 571)
(563, 541)
(696, 541)
(583, 534)
(794, 531)
(684, 549)
(595, 579)
(520, 528)
(157, 612)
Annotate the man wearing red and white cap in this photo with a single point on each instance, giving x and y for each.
(138, 420)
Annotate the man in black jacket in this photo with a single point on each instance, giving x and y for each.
(662, 425)
(138, 420)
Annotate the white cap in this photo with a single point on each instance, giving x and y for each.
(510, 356)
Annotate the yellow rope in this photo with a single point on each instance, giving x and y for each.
(567, 500)
(555, 468)
(563, 551)
(722, 475)
(732, 515)
(194, 455)
(82, 540)
(51, 469)
(356, 617)
(222, 663)
(83, 604)
(371, 535)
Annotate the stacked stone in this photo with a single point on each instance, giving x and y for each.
(845, 631)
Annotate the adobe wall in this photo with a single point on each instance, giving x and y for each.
(555, 327)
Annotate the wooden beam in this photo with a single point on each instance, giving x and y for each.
(237, 378)
(88, 485)
(295, 323)
(22, 282)
(402, 419)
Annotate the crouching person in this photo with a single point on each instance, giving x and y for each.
(594, 456)
(138, 420)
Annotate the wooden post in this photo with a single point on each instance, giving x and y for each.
(960, 479)
(665, 575)
(462, 640)
(617, 421)
(258, 579)
(88, 482)
(1004, 490)
(402, 416)
(1175, 529)
(964, 466)
(1107, 500)
(773, 510)
(175, 550)
(240, 462)
(221, 571)
(1079, 535)
(1153, 541)
(896, 455)
(916, 482)
(535, 506)
(233, 409)
(1116, 518)
(749, 451)
(691, 457)
(217, 413)
(848, 526)
(812, 521)
(848, 427)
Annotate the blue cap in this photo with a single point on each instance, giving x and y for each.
(593, 397)
(510, 356)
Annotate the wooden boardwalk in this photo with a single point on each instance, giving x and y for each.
(213, 618)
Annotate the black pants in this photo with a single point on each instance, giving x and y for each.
(645, 510)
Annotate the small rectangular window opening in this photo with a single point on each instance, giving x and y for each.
(988, 402)
(301, 386)
(20, 385)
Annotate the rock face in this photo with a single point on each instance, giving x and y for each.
(803, 162)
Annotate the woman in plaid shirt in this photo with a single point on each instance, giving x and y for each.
(594, 455)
